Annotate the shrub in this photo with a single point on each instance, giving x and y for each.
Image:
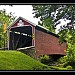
(60, 65)
(48, 60)
(44, 59)
(41, 67)
(62, 60)
(60, 68)
(69, 67)
(57, 68)
(72, 63)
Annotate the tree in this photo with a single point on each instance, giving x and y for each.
(43, 12)
(4, 18)
(69, 36)
(55, 13)
(67, 31)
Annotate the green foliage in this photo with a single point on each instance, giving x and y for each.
(41, 67)
(15, 60)
(70, 63)
(48, 60)
(69, 67)
(71, 47)
(4, 18)
(44, 59)
(49, 24)
(62, 60)
(51, 14)
(59, 68)
(49, 17)
(44, 12)
(69, 36)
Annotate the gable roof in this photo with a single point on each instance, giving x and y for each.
(19, 19)
(38, 27)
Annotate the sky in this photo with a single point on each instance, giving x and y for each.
(25, 11)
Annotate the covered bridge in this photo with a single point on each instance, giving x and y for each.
(23, 33)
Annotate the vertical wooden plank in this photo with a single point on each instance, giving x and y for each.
(8, 34)
(33, 36)
(13, 40)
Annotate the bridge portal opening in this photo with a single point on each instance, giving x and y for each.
(20, 37)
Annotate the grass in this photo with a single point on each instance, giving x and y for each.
(15, 60)
(58, 68)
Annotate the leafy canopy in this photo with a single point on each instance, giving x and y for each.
(50, 16)
(4, 18)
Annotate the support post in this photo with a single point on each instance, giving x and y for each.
(4, 41)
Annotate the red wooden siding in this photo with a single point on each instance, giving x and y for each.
(48, 44)
(25, 23)
(44, 43)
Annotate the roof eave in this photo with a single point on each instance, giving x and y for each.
(17, 20)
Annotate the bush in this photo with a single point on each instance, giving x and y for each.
(41, 68)
(44, 59)
(60, 65)
(69, 67)
(60, 68)
(72, 64)
(57, 68)
(48, 60)
(62, 60)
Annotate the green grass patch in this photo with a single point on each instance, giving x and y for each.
(15, 60)
(60, 68)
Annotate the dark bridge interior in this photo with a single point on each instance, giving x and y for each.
(20, 37)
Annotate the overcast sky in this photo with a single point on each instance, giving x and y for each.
(24, 11)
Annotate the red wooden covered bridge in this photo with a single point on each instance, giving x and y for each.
(23, 33)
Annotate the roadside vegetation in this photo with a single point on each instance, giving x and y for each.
(50, 16)
(15, 60)
(59, 64)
